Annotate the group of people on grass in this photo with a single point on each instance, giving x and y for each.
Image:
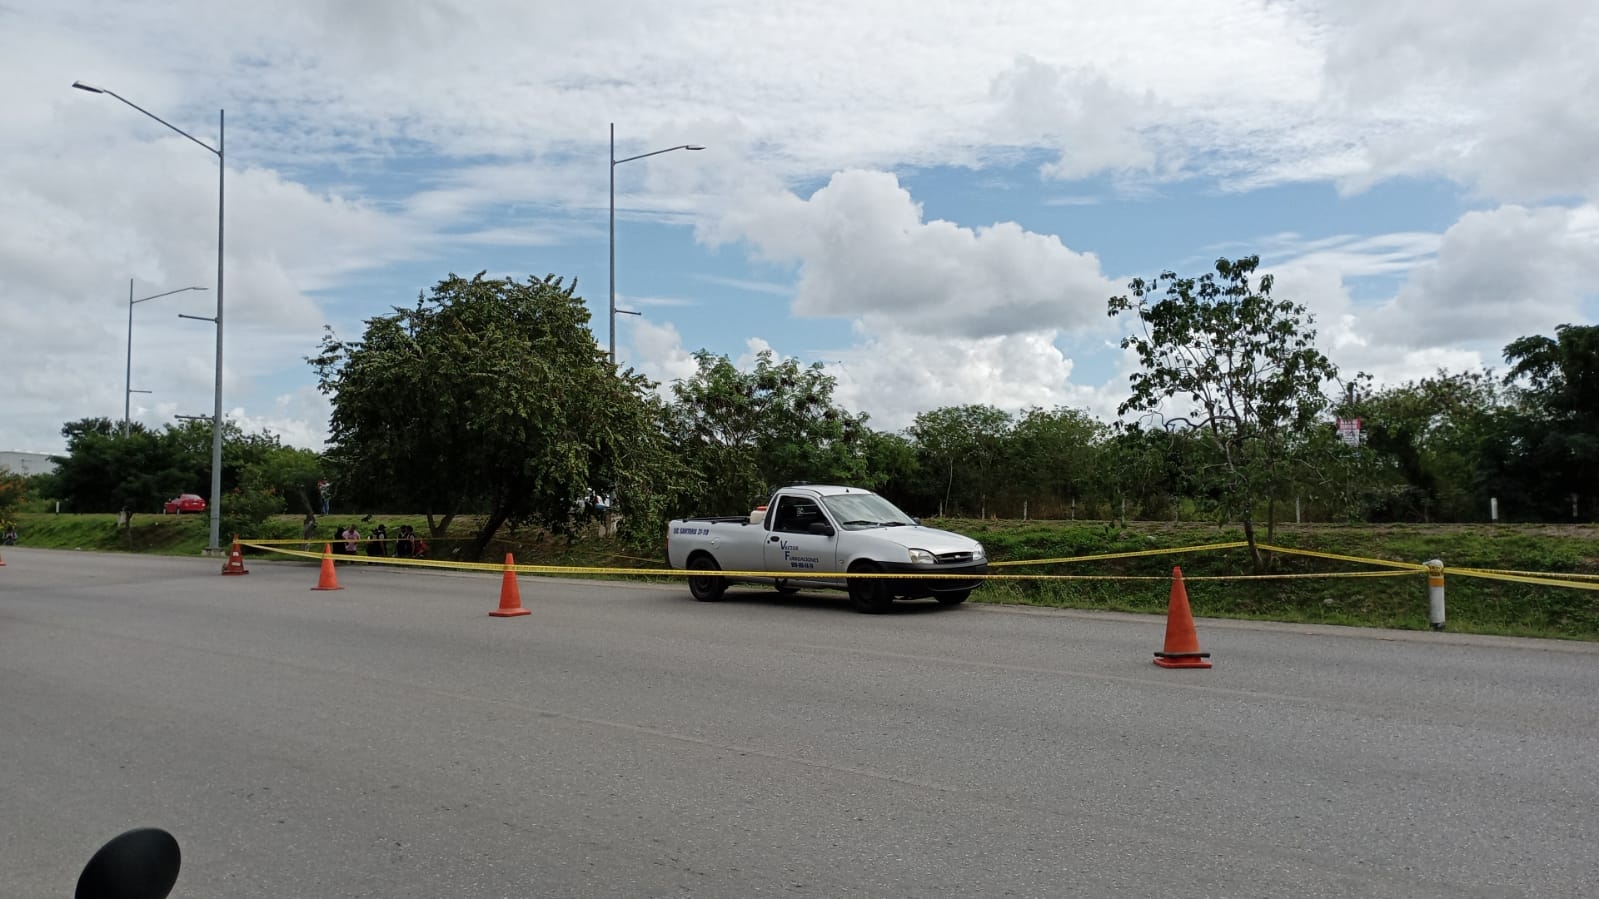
(407, 544)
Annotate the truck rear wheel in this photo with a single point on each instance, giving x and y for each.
(870, 595)
(705, 588)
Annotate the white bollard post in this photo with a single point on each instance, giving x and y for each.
(1435, 594)
(1493, 508)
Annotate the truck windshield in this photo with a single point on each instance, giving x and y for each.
(858, 511)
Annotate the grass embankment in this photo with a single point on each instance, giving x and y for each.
(1474, 605)
(188, 535)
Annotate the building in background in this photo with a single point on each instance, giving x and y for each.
(27, 464)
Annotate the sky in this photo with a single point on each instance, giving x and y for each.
(934, 200)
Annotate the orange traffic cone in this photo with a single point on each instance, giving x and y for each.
(510, 593)
(235, 560)
(1182, 644)
(329, 579)
(2, 563)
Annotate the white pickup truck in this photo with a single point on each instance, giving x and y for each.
(826, 533)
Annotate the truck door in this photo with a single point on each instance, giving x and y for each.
(790, 546)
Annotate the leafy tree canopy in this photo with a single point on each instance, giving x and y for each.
(749, 431)
(1553, 445)
(105, 471)
(492, 391)
(968, 442)
(1241, 366)
(13, 492)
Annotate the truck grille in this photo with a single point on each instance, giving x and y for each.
(953, 558)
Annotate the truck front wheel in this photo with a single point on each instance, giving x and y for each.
(704, 587)
(870, 595)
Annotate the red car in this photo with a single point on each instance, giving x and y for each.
(188, 502)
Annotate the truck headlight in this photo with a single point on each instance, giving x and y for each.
(978, 555)
(922, 557)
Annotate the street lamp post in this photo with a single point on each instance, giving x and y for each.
(128, 392)
(216, 414)
(614, 163)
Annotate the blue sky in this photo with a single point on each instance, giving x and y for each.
(932, 199)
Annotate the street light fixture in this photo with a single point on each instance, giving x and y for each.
(614, 163)
(127, 394)
(216, 414)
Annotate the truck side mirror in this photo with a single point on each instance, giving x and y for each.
(821, 527)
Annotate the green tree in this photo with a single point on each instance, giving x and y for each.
(965, 444)
(1241, 365)
(1144, 469)
(249, 504)
(1054, 457)
(290, 472)
(105, 471)
(271, 477)
(1557, 428)
(750, 431)
(891, 467)
(13, 493)
(1425, 443)
(492, 390)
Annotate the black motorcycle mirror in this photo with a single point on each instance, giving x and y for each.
(139, 864)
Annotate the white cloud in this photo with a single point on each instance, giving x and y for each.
(771, 287)
(1461, 296)
(1498, 274)
(458, 127)
(1496, 96)
(299, 419)
(753, 348)
(79, 224)
(656, 350)
(1352, 256)
(864, 250)
(1095, 122)
(1258, 91)
(893, 376)
(1346, 331)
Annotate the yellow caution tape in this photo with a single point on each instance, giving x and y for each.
(1521, 579)
(796, 575)
(1562, 575)
(1125, 555)
(1401, 569)
(1299, 576)
(1407, 566)
(372, 560)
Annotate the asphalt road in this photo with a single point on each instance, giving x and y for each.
(392, 739)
